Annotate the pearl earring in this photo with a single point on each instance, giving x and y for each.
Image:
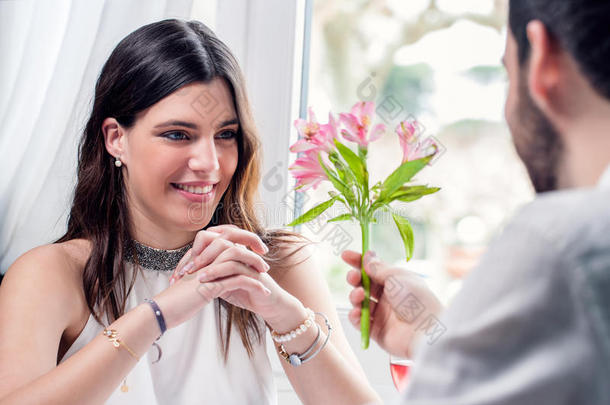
(118, 162)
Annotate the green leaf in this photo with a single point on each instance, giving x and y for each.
(339, 185)
(314, 212)
(412, 193)
(353, 161)
(344, 175)
(401, 175)
(406, 233)
(342, 217)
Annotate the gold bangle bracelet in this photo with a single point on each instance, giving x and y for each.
(113, 336)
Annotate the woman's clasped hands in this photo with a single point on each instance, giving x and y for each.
(219, 264)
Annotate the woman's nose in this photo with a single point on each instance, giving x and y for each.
(204, 157)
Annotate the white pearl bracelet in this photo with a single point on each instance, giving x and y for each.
(286, 337)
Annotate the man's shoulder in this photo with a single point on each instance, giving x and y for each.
(547, 240)
(569, 221)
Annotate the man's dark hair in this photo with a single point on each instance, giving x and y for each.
(581, 27)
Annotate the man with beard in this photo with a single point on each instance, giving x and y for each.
(531, 324)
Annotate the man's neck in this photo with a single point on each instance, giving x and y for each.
(586, 153)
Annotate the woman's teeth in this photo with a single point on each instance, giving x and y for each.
(196, 190)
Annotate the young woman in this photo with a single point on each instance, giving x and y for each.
(162, 238)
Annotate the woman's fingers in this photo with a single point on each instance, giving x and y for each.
(226, 269)
(217, 250)
(241, 236)
(214, 289)
(245, 256)
(185, 259)
(199, 256)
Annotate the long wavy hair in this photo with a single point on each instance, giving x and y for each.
(146, 66)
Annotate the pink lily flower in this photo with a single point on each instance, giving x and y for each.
(357, 124)
(412, 146)
(307, 170)
(314, 136)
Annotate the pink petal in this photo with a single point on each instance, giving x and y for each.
(352, 124)
(357, 109)
(349, 136)
(368, 110)
(300, 124)
(377, 132)
(301, 145)
(312, 116)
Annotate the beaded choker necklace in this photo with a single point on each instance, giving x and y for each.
(155, 259)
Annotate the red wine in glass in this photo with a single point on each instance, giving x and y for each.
(399, 369)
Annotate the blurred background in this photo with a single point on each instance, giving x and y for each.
(438, 61)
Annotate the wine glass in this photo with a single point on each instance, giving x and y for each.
(400, 368)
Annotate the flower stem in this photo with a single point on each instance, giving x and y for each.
(365, 316)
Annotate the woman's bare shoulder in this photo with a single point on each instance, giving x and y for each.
(50, 271)
(64, 260)
(43, 306)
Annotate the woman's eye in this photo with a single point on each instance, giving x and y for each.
(175, 136)
(227, 135)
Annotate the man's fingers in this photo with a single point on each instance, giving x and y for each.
(351, 257)
(356, 296)
(354, 317)
(375, 268)
(354, 277)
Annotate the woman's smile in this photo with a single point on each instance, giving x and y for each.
(196, 192)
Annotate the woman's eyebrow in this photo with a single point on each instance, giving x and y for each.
(177, 123)
(191, 125)
(226, 123)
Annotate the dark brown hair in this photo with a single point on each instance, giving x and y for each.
(146, 66)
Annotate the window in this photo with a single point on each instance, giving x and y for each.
(439, 61)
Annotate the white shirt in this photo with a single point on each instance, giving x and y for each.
(531, 324)
(191, 369)
(604, 180)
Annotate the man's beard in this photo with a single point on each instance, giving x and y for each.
(538, 143)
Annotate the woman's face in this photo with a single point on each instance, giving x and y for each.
(179, 158)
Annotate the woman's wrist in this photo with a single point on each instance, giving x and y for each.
(138, 328)
(288, 318)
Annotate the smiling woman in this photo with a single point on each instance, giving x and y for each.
(161, 237)
(195, 157)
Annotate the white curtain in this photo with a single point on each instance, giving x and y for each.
(51, 54)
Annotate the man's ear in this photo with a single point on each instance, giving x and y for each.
(544, 66)
(113, 137)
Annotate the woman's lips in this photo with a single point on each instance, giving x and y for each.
(193, 197)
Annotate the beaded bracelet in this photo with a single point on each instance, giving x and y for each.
(287, 337)
(296, 359)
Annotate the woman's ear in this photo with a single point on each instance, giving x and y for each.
(113, 137)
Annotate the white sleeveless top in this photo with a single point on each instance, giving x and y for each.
(192, 368)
